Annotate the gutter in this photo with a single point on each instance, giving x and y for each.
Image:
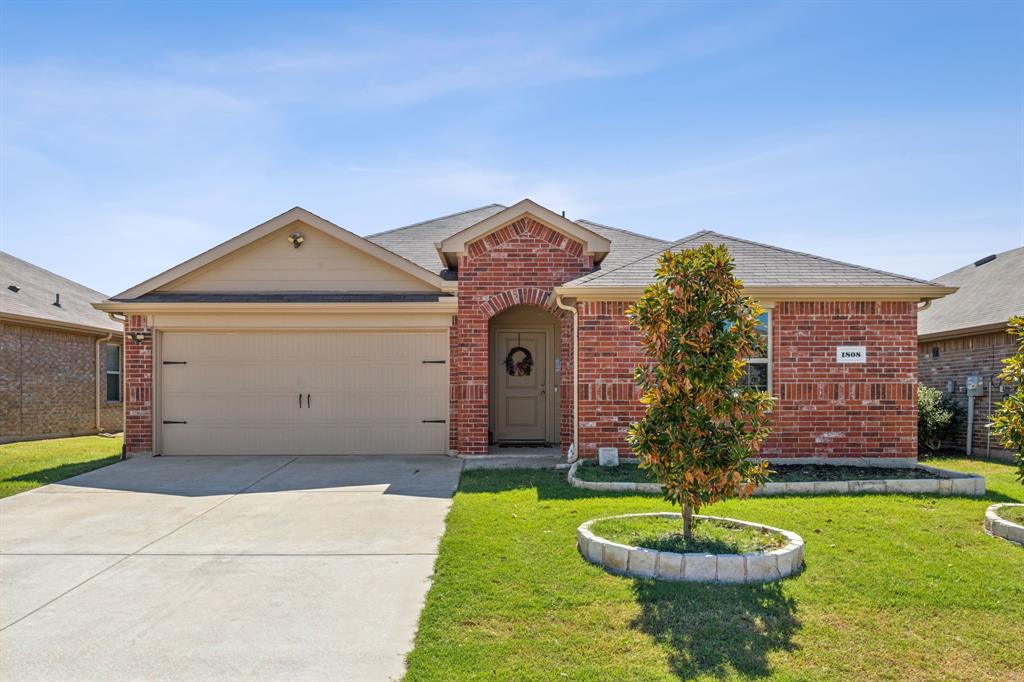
(574, 448)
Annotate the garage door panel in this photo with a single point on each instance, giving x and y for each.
(367, 393)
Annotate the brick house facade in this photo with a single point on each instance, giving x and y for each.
(965, 335)
(53, 378)
(578, 278)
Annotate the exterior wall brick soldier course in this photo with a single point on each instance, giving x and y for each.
(518, 264)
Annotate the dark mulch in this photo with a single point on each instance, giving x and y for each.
(781, 473)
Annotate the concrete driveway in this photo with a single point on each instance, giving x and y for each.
(240, 568)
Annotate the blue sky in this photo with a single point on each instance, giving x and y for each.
(135, 135)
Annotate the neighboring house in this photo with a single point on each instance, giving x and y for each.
(60, 359)
(450, 335)
(965, 335)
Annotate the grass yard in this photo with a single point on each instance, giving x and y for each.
(28, 465)
(1014, 514)
(666, 535)
(895, 587)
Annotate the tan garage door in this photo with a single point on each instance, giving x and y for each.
(303, 393)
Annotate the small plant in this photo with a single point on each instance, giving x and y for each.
(938, 416)
(701, 425)
(1008, 421)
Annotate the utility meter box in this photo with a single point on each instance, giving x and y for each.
(974, 385)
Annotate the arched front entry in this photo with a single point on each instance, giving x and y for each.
(524, 376)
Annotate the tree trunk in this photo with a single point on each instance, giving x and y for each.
(687, 522)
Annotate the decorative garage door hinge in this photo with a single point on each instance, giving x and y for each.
(171, 421)
(434, 421)
(433, 362)
(175, 362)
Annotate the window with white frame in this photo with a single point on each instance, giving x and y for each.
(759, 367)
(112, 365)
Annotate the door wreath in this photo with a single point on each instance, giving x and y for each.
(519, 362)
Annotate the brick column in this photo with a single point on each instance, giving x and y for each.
(138, 386)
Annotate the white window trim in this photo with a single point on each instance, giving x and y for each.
(768, 355)
(108, 372)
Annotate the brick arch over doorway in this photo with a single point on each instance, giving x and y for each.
(518, 264)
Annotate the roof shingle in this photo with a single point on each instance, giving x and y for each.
(756, 265)
(989, 294)
(37, 291)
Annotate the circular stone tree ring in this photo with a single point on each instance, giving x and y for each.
(638, 562)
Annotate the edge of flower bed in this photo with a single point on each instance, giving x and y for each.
(999, 527)
(946, 483)
(639, 562)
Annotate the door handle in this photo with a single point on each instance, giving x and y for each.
(300, 401)
(307, 400)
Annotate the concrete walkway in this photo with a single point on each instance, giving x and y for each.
(231, 568)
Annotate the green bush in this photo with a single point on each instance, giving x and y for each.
(937, 418)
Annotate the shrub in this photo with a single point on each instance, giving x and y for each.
(1008, 420)
(701, 424)
(937, 417)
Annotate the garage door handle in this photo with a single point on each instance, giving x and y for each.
(307, 401)
(300, 401)
(175, 362)
(433, 421)
(170, 421)
(433, 362)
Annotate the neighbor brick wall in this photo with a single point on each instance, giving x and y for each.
(48, 384)
(519, 264)
(823, 409)
(981, 354)
(138, 386)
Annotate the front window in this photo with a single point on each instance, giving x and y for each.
(112, 364)
(758, 367)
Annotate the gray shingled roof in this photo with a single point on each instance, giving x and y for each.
(284, 297)
(989, 294)
(416, 242)
(38, 289)
(756, 264)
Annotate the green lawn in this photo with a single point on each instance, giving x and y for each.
(28, 465)
(895, 587)
(665, 534)
(1015, 514)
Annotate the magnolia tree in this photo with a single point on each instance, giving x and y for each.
(702, 424)
(1008, 421)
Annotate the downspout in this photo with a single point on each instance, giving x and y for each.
(99, 342)
(574, 448)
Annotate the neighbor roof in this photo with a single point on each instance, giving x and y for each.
(990, 291)
(37, 291)
(757, 265)
(416, 242)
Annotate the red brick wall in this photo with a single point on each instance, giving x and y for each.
(518, 264)
(48, 384)
(823, 409)
(138, 386)
(610, 351)
(954, 359)
(827, 409)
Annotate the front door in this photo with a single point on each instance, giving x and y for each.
(520, 381)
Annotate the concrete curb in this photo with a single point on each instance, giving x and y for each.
(945, 483)
(999, 527)
(638, 562)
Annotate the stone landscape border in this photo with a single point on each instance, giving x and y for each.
(638, 562)
(945, 483)
(1001, 528)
